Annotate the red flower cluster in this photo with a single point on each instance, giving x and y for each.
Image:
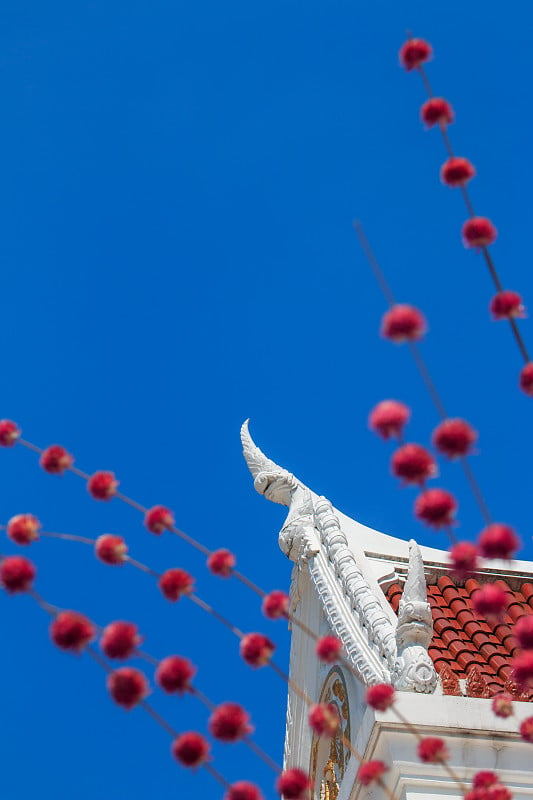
(370, 771)
(9, 433)
(276, 605)
(229, 722)
(502, 705)
(526, 729)
(221, 563)
(413, 464)
(526, 379)
(498, 541)
(293, 784)
(389, 418)
(484, 779)
(127, 686)
(478, 232)
(432, 750)
(328, 649)
(490, 601)
(111, 549)
(174, 674)
(436, 507)
(256, 649)
(102, 485)
(436, 111)
(120, 639)
(523, 631)
(72, 631)
(463, 556)
(16, 574)
(403, 323)
(159, 519)
(454, 438)
(506, 305)
(414, 53)
(523, 669)
(174, 583)
(22, 529)
(324, 719)
(191, 749)
(457, 171)
(380, 697)
(55, 460)
(243, 790)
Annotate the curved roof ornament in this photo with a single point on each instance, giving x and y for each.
(270, 480)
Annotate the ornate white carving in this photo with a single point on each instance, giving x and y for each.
(274, 482)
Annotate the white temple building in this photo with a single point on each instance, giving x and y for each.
(403, 619)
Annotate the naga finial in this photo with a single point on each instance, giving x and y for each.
(274, 482)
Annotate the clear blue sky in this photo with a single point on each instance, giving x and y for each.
(178, 185)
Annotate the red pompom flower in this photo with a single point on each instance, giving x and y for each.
(490, 601)
(436, 507)
(102, 485)
(414, 53)
(484, 779)
(436, 111)
(370, 771)
(221, 563)
(463, 556)
(111, 549)
(256, 649)
(72, 631)
(174, 674)
(328, 649)
(127, 686)
(380, 697)
(526, 729)
(293, 784)
(526, 379)
(9, 433)
(457, 171)
(389, 418)
(498, 541)
(56, 460)
(229, 722)
(243, 790)
(403, 323)
(502, 705)
(120, 639)
(159, 519)
(432, 750)
(276, 605)
(478, 232)
(16, 574)
(523, 669)
(413, 464)
(454, 438)
(324, 719)
(506, 305)
(22, 529)
(191, 749)
(174, 583)
(523, 631)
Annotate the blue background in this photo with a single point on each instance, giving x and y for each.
(178, 186)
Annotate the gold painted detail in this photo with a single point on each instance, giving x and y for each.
(329, 757)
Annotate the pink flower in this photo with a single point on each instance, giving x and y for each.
(389, 418)
(22, 529)
(191, 749)
(276, 605)
(16, 574)
(403, 323)
(526, 379)
(526, 729)
(229, 722)
(120, 639)
(174, 583)
(432, 750)
(174, 674)
(523, 631)
(502, 705)
(463, 556)
(102, 485)
(498, 541)
(72, 631)
(436, 111)
(111, 549)
(256, 649)
(457, 171)
(243, 790)
(221, 563)
(380, 697)
(436, 508)
(127, 686)
(523, 669)
(324, 719)
(370, 771)
(159, 519)
(490, 601)
(9, 433)
(328, 649)
(506, 305)
(478, 232)
(484, 779)
(293, 784)
(413, 464)
(55, 460)
(454, 438)
(414, 53)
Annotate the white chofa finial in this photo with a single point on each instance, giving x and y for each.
(273, 482)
